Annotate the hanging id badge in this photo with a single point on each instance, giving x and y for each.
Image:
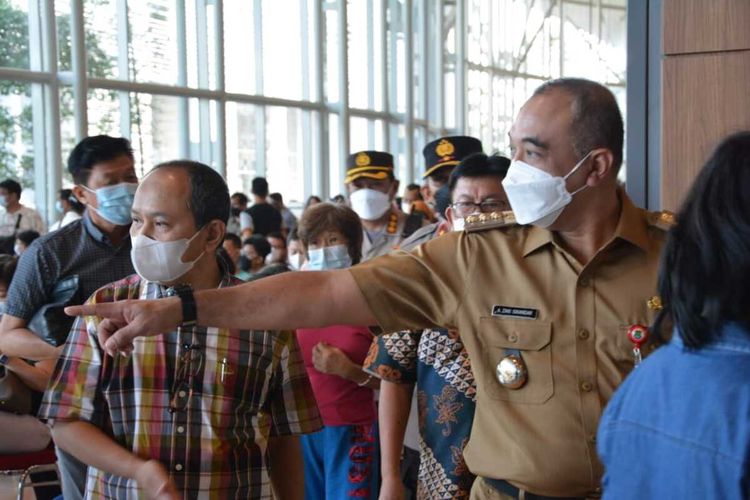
(638, 335)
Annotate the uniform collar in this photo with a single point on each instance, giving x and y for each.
(632, 227)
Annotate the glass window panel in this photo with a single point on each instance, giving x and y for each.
(310, 58)
(335, 186)
(398, 149)
(100, 26)
(285, 158)
(62, 17)
(67, 127)
(360, 68)
(332, 66)
(282, 49)
(154, 136)
(153, 41)
(242, 144)
(239, 46)
(420, 141)
(14, 34)
(16, 128)
(104, 112)
(397, 55)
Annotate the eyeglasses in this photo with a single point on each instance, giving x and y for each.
(464, 208)
(191, 362)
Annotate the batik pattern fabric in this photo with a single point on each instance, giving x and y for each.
(436, 361)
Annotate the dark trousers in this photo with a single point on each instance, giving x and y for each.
(72, 475)
(410, 472)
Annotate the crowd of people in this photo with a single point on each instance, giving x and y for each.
(471, 338)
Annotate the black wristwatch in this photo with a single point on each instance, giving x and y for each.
(189, 309)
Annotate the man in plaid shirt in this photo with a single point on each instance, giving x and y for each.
(196, 412)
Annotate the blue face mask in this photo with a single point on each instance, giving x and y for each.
(115, 202)
(327, 258)
(58, 207)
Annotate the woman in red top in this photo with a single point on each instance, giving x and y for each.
(341, 461)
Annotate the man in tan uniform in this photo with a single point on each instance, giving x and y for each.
(372, 188)
(543, 309)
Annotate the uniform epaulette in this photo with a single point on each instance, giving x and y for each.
(664, 220)
(482, 222)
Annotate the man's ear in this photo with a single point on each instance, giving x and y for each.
(602, 167)
(426, 193)
(394, 188)
(80, 194)
(449, 215)
(215, 231)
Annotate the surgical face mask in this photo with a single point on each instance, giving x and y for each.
(326, 258)
(459, 223)
(115, 202)
(58, 207)
(369, 203)
(406, 206)
(3, 201)
(535, 196)
(161, 261)
(295, 261)
(17, 249)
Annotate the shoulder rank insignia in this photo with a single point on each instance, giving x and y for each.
(481, 222)
(664, 220)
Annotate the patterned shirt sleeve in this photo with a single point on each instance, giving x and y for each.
(32, 283)
(393, 357)
(293, 408)
(74, 389)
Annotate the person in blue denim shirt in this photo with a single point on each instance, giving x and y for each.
(679, 427)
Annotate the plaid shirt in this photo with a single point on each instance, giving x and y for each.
(248, 386)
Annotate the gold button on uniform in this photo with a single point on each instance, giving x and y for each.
(586, 386)
(583, 334)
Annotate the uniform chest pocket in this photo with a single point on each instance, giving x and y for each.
(531, 339)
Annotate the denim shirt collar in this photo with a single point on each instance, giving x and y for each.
(734, 337)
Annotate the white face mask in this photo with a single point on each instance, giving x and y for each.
(535, 196)
(335, 257)
(406, 206)
(458, 224)
(17, 249)
(295, 261)
(161, 261)
(369, 203)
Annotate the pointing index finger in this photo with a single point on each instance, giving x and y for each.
(106, 310)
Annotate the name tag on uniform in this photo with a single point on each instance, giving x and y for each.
(515, 312)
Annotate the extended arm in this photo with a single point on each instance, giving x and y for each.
(284, 302)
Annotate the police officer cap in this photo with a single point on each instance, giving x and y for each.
(448, 152)
(370, 164)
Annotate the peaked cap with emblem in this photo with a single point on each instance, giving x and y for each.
(371, 164)
(448, 152)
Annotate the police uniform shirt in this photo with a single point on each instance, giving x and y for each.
(568, 321)
(387, 240)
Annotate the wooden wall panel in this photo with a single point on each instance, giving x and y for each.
(691, 26)
(704, 98)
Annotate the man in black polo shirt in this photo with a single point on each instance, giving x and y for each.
(95, 250)
(262, 218)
